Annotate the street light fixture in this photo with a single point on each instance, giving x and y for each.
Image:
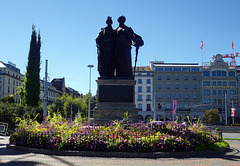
(90, 66)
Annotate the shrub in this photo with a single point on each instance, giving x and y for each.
(59, 134)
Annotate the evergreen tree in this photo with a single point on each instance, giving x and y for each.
(32, 84)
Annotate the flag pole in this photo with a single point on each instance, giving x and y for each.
(201, 46)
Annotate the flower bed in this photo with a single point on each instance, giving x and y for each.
(58, 134)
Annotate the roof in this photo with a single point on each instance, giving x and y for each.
(143, 69)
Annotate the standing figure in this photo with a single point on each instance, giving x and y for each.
(125, 37)
(105, 49)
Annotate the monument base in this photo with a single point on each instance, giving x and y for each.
(115, 98)
(108, 112)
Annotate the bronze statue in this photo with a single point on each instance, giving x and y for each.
(114, 50)
(105, 48)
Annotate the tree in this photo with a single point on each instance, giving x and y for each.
(211, 116)
(32, 81)
(63, 105)
(8, 99)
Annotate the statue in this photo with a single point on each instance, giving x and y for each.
(105, 49)
(114, 50)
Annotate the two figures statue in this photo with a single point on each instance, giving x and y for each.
(114, 50)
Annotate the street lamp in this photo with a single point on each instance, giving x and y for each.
(90, 66)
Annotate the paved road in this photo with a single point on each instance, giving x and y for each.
(11, 157)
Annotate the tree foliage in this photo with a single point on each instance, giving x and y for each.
(10, 111)
(8, 99)
(211, 116)
(32, 81)
(63, 105)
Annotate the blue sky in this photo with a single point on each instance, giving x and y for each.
(172, 31)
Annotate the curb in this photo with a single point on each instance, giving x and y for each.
(188, 154)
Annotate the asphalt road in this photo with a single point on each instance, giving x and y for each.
(11, 157)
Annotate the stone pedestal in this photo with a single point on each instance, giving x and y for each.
(115, 97)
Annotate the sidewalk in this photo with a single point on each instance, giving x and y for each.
(13, 157)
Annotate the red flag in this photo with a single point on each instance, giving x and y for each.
(201, 46)
(232, 45)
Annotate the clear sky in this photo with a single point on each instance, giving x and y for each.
(171, 29)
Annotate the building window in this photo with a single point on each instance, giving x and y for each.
(159, 77)
(185, 77)
(224, 73)
(224, 83)
(186, 106)
(194, 77)
(140, 107)
(139, 97)
(159, 86)
(8, 89)
(219, 92)
(0, 79)
(177, 86)
(148, 81)
(206, 92)
(148, 97)
(148, 107)
(159, 95)
(177, 69)
(214, 101)
(206, 73)
(177, 96)
(139, 81)
(219, 73)
(206, 101)
(206, 83)
(194, 69)
(148, 89)
(0, 71)
(194, 95)
(186, 96)
(186, 86)
(167, 69)
(185, 69)
(159, 69)
(9, 81)
(214, 92)
(231, 74)
(168, 106)
(168, 77)
(232, 83)
(214, 83)
(139, 89)
(168, 86)
(177, 77)
(232, 92)
(224, 92)
(168, 96)
(194, 86)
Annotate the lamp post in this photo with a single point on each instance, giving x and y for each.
(90, 66)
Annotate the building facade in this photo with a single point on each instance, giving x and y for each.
(10, 79)
(195, 88)
(180, 82)
(144, 92)
(220, 86)
(51, 92)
